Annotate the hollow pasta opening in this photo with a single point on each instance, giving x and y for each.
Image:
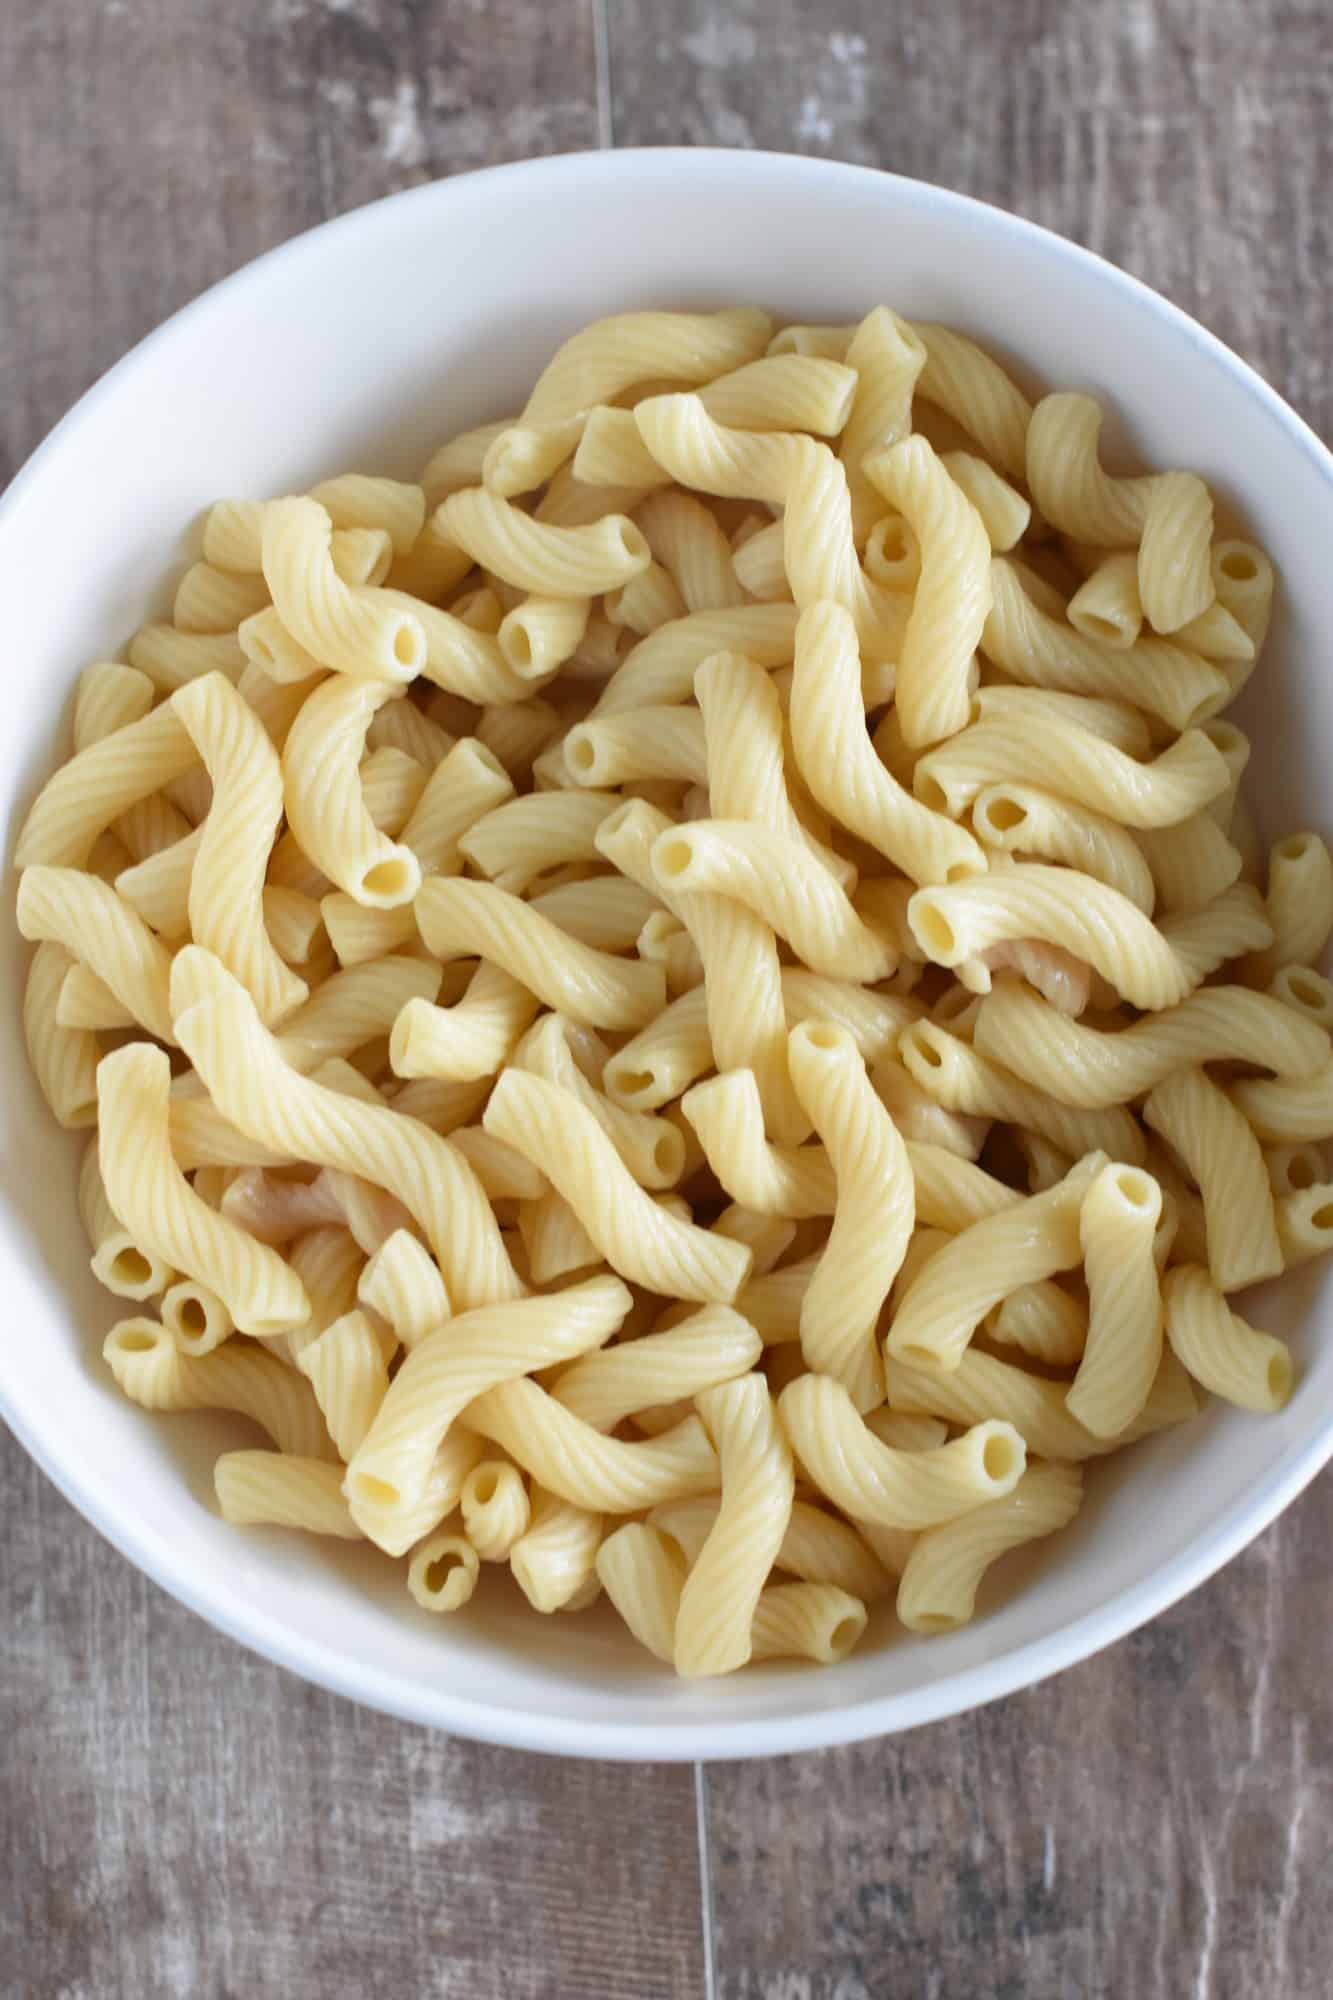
(822, 1035)
(1003, 815)
(581, 753)
(485, 1486)
(389, 879)
(1304, 988)
(1239, 565)
(1135, 1188)
(936, 1621)
(518, 645)
(136, 1339)
(1099, 627)
(999, 1458)
(673, 857)
(632, 541)
(665, 1154)
(407, 648)
(633, 1082)
(931, 792)
(935, 931)
(375, 1492)
(844, 1636)
(439, 1570)
(929, 1051)
(1322, 1217)
(130, 1267)
(1295, 848)
(919, 1356)
(1301, 1175)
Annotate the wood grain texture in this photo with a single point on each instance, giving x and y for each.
(179, 1819)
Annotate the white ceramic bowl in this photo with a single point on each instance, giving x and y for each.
(364, 344)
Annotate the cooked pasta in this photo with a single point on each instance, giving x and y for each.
(546, 950)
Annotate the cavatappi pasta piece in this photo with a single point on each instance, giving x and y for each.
(873, 1216)
(325, 805)
(402, 1283)
(665, 742)
(524, 837)
(1034, 1239)
(73, 909)
(1221, 1351)
(578, 1464)
(117, 1260)
(806, 1621)
(652, 1148)
(896, 1489)
(273, 1489)
(109, 696)
(1077, 763)
(760, 565)
(1004, 512)
(1033, 1404)
(85, 1001)
(709, 1347)
(1018, 818)
(636, 1236)
(216, 600)
(1243, 580)
(64, 1059)
(952, 596)
(473, 1038)
(1124, 1341)
(726, 1113)
(328, 1262)
(345, 1367)
(195, 1317)
(956, 926)
(348, 627)
(1106, 606)
(495, 1508)
(1114, 720)
(1192, 863)
(1066, 479)
(355, 500)
(442, 1574)
(454, 1365)
(1204, 939)
(1305, 1222)
(1299, 906)
(1295, 1169)
(1174, 566)
(938, 1588)
(227, 878)
(461, 919)
(817, 1547)
(1042, 1320)
(156, 1204)
(171, 658)
(688, 541)
(553, 1560)
(888, 358)
(1081, 1065)
(1219, 1150)
(354, 1007)
(537, 557)
(643, 1573)
(1044, 651)
(919, 1117)
(648, 600)
(717, 1604)
(961, 379)
(661, 668)
(841, 768)
(661, 1061)
(248, 1080)
(609, 356)
(963, 1079)
(237, 1376)
(781, 882)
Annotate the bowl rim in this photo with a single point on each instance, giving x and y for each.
(691, 1740)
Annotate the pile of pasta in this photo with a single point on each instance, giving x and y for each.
(691, 1006)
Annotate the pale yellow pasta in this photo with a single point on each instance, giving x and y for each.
(63, 1057)
(1042, 1320)
(875, 1204)
(459, 919)
(652, 1148)
(1174, 563)
(1003, 511)
(101, 782)
(1294, 1169)
(1234, 922)
(960, 378)
(1223, 1157)
(760, 564)
(781, 882)
(1075, 762)
(1221, 1351)
(216, 600)
(325, 804)
(1243, 579)
(665, 742)
(688, 542)
(269, 646)
(726, 1113)
(607, 357)
(402, 1283)
(85, 1001)
(640, 1240)
(345, 1367)
(351, 1008)
(350, 628)
(607, 911)
(1106, 605)
(1018, 818)
(1305, 1222)
(661, 668)
(952, 596)
(610, 453)
(157, 1206)
(1033, 1404)
(117, 1260)
(807, 1621)
(274, 1489)
(919, 1117)
(504, 1174)
(1040, 650)
(495, 1508)
(454, 1365)
(195, 1317)
(539, 635)
(356, 500)
(582, 1466)
(957, 926)
(328, 1261)
(646, 601)
(896, 1489)
(643, 1573)
(1298, 905)
(1034, 1239)
(1124, 1339)
(442, 1574)
(1081, 1065)
(250, 1083)
(556, 1555)
(887, 357)
(661, 1061)
(785, 393)
(237, 1376)
(275, 1210)
(555, 1240)
(840, 766)
(1192, 863)
(717, 1604)
(535, 556)
(523, 838)
(171, 658)
(1066, 479)
(709, 1347)
(938, 1588)
(233, 535)
(67, 907)
(109, 696)
(963, 1079)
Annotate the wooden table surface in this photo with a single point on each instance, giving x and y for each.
(179, 1818)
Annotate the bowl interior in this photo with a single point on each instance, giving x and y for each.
(364, 345)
